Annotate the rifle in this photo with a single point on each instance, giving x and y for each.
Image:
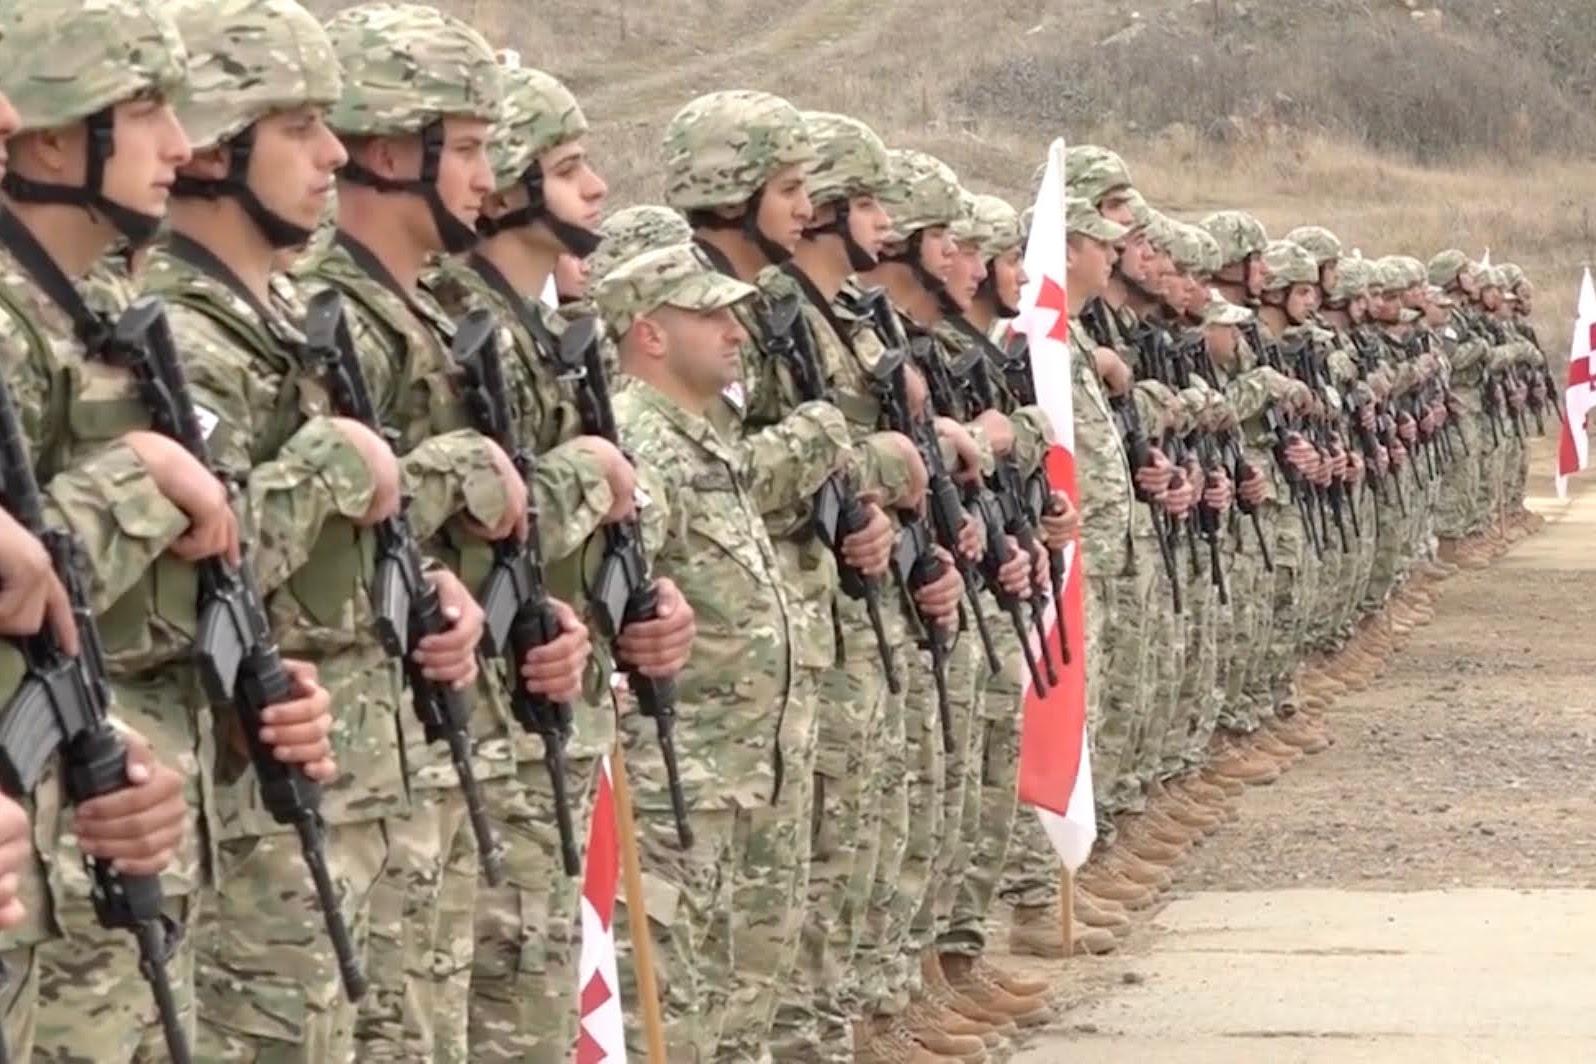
(1189, 355)
(404, 601)
(623, 592)
(239, 663)
(1311, 373)
(1269, 353)
(63, 704)
(519, 616)
(1241, 470)
(838, 513)
(1157, 363)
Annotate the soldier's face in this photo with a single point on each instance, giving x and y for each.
(1358, 307)
(1469, 281)
(570, 277)
(1329, 274)
(1136, 261)
(965, 273)
(1253, 275)
(702, 347)
(1526, 298)
(150, 146)
(937, 252)
(8, 125)
(1116, 208)
(1301, 299)
(1434, 314)
(1491, 297)
(869, 224)
(1088, 264)
(1195, 295)
(465, 177)
(1415, 297)
(1008, 277)
(572, 189)
(784, 208)
(293, 163)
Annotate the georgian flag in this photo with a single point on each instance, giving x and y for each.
(1579, 395)
(1055, 757)
(601, 1035)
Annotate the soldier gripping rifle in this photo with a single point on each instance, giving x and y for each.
(404, 601)
(239, 662)
(63, 705)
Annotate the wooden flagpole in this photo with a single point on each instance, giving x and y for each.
(1066, 904)
(637, 910)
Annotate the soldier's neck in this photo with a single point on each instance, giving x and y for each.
(74, 238)
(367, 216)
(907, 293)
(1141, 303)
(221, 227)
(656, 376)
(1233, 292)
(1339, 319)
(1116, 293)
(982, 313)
(1077, 294)
(827, 268)
(525, 265)
(1274, 319)
(744, 255)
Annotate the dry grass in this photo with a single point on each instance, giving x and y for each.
(1397, 135)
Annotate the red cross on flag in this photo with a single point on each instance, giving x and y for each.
(1055, 758)
(601, 1038)
(1579, 397)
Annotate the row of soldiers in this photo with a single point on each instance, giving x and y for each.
(764, 506)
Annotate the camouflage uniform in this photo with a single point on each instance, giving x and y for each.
(1459, 512)
(727, 910)
(66, 65)
(405, 68)
(524, 964)
(267, 978)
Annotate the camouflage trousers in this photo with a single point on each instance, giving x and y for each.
(1252, 612)
(1165, 633)
(725, 916)
(266, 976)
(974, 864)
(523, 969)
(1128, 691)
(1517, 474)
(1293, 589)
(886, 831)
(1030, 874)
(813, 1018)
(420, 943)
(19, 1001)
(94, 1004)
(1458, 512)
(1199, 696)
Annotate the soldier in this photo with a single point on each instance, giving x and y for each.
(545, 210)
(735, 164)
(421, 91)
(671, 316)
(264, 73)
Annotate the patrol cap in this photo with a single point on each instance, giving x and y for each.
(1092, 172)
(1238, 234)
(406, 66)
(1081, 216)
(1445, 266)
(850, 160)
(925, 194)
(1286, 264)
(628, 233)
(676, 276)
(1317, 241)
(539, 113)
(1220, 311)
(722, 147)
(247, 59)
(63, 62)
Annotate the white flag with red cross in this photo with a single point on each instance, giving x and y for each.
(601, 1036)
(1579, 394)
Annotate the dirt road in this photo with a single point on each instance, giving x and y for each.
(1425, 890)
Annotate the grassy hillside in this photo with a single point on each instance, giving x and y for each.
(1403, 128)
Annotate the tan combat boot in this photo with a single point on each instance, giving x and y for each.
(1301, 734)
(885, 1042)
(1019, 985)
(966, 978)
(1264, 741)
(1128, 864)
(923, 1023)
(1244, 765)
(1185, 810)
(1160, 825)
(1094, 913)
(1135, 838)
(1109, 885)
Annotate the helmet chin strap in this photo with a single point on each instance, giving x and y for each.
(859, 260)
(136, 227)
(278, 231)
(457, 236)
(748, 222)
(577, 240)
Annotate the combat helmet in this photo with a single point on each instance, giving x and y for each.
(539, 114)
(925, 195)
(1238, 233)
(1447, 266)
(850, 160)
(66, 63)
(1317, 241)
(248, 59)
(406, 68)
(1352, 280)
(1286, 263)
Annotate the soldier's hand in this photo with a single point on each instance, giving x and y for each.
(659, 648)
(1061, 522)
(1302, 455)
(1321, 471)
(450, 656)
(869, 550)
(909, 455)
(16, 849)
(138, 828)
(999, 431)
(1178, 498)
(972, 538)
(618, 473)
(1399, 453)
(381, 466)
(1355, 468)
(1407, 428)
(1014, 575)
(178, 475)
(1366, 416)
(1218, 493)
(1153, 478)
(1253, 490)
(555, 669)
(1338, 462)
(513, 522)
(1382, 460)
(30, 593)
(297, 729)
(1113, 371)
(939, 599)
(964, 446)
